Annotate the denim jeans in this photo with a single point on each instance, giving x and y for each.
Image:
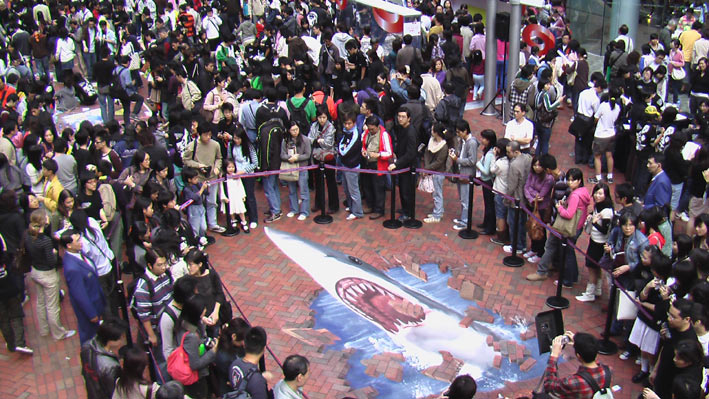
(676, 194)
(105, 102)
(544, 135)
(354, 199)
(463, 196)
(42, 65)
(438, 196)
(520, 229)
(302, 186)
(212, 206)
(478, 85)
(195, 216)
(273, 195)
(501, 74)
(90, 61)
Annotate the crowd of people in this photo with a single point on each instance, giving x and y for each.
(237, 88)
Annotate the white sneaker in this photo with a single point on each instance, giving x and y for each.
(684, 217)
(529, 254)
(432, 219)
(290, 214)
(586, 297)
(68, 334)
(458, 227)
(625, 355)
(24, 349)
(217, 229)
(203, 241)
(460, 222)
(351, 216)
(253, 225)
(534, 259)
(507, 249)
(301, 217)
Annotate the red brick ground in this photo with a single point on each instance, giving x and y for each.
(276, 293)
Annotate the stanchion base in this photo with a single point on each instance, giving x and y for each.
(607, 347)
(323, 219)
(413, 224)
(512, 260)
(230, 233)
(468, 234)
(557, 302)
(391, 224)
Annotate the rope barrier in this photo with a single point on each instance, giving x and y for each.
(475, 180)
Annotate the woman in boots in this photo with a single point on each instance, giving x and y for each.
(598, 226)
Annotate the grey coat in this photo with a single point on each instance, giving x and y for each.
(192, 342)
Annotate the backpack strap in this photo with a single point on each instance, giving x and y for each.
(592, 381)
(245, 381)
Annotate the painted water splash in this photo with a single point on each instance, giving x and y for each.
(368, 340)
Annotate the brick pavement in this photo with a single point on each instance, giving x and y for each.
(277, 294)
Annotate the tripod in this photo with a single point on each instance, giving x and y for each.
(500, 92)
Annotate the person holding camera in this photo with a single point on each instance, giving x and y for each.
(576, 385)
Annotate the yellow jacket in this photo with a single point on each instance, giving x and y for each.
(51, 194)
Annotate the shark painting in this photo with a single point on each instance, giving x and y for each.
(421, 326)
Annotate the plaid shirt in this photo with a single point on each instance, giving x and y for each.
(516, 97)
(572, 386)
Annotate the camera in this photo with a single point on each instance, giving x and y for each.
(206, 171)
(565, 340)
(210, 342)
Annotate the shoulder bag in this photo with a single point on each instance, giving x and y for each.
(178, 365)
(567, 227)
(534, 228)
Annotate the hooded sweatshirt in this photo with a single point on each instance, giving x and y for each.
(579, 200)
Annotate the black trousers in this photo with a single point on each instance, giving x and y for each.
(489, 201)
(251, 211)
(11, 322)
(333, 200)
(584, 140)
(406, 194)
(374, 188)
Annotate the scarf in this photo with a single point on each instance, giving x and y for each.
(435, 147)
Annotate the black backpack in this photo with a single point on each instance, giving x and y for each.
(270, 133)
(239, 391)
(299, 116)
(116, 89)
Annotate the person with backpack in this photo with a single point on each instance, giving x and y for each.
(153, 291)
(302, 109)
(592, 380)
(125, 89)
(189, 363)
(271, 120)
(546, 113)
(448, 110)
(245, 376)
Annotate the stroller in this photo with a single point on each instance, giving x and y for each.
(86, 91)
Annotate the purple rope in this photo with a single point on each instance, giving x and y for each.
(368, 171)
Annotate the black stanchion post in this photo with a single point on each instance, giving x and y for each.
(558, 301)
(513, 260)
(121, 291)
(412, 222)
(323, 217)
(469, 233)
(606, 346)
(392, 223)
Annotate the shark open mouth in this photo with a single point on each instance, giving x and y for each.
(379, 305)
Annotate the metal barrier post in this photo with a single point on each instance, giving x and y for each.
(121, 291)
(558, 301)
(606, 346)
(392, 223)
(468, 233)
(412, 223)
(512, 260)
(323, 217)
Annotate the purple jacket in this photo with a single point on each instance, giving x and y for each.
(538, 186)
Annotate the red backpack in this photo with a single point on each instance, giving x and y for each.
(178, 365)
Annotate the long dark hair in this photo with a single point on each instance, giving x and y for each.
(240, 132)
(192, 310)
(80, 221)
(608, 201)
(134, 363)
(491, 137)
(63, 196)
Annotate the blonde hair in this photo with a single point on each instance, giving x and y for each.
(38, 220)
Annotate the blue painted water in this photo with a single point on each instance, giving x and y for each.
(369, 340)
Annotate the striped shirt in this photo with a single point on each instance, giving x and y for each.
(149, 306)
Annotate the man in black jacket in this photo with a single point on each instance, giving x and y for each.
(405, 153)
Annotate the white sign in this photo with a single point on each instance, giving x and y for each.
(412, 28)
